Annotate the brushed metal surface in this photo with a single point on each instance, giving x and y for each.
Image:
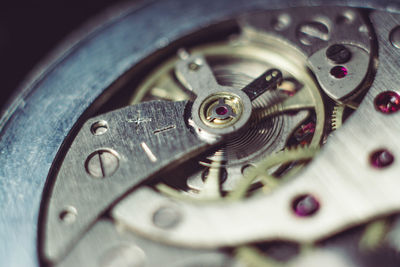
(158, 126)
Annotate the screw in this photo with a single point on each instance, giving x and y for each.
(309, 33)
(338, 54)
(102, 163)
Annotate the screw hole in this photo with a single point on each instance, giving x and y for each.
(99, 127)
(312, 32)
(338, 54)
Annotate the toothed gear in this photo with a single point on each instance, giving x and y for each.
(337, 117)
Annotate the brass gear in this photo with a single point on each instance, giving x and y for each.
(337, 116)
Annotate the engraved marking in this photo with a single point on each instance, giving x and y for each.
(148, 152)
(165, 129)
(140, 120)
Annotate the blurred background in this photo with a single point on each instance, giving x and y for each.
(29, 30)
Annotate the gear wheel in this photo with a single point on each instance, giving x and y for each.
(261, 169)
(337, 117)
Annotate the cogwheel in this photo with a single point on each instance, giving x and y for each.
(260, 170)
(337, 117)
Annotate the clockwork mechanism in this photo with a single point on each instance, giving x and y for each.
(252, 135)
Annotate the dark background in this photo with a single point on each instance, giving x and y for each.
(30, 29)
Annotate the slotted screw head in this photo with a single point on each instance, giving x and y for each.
(102, 163)
(338, 54)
